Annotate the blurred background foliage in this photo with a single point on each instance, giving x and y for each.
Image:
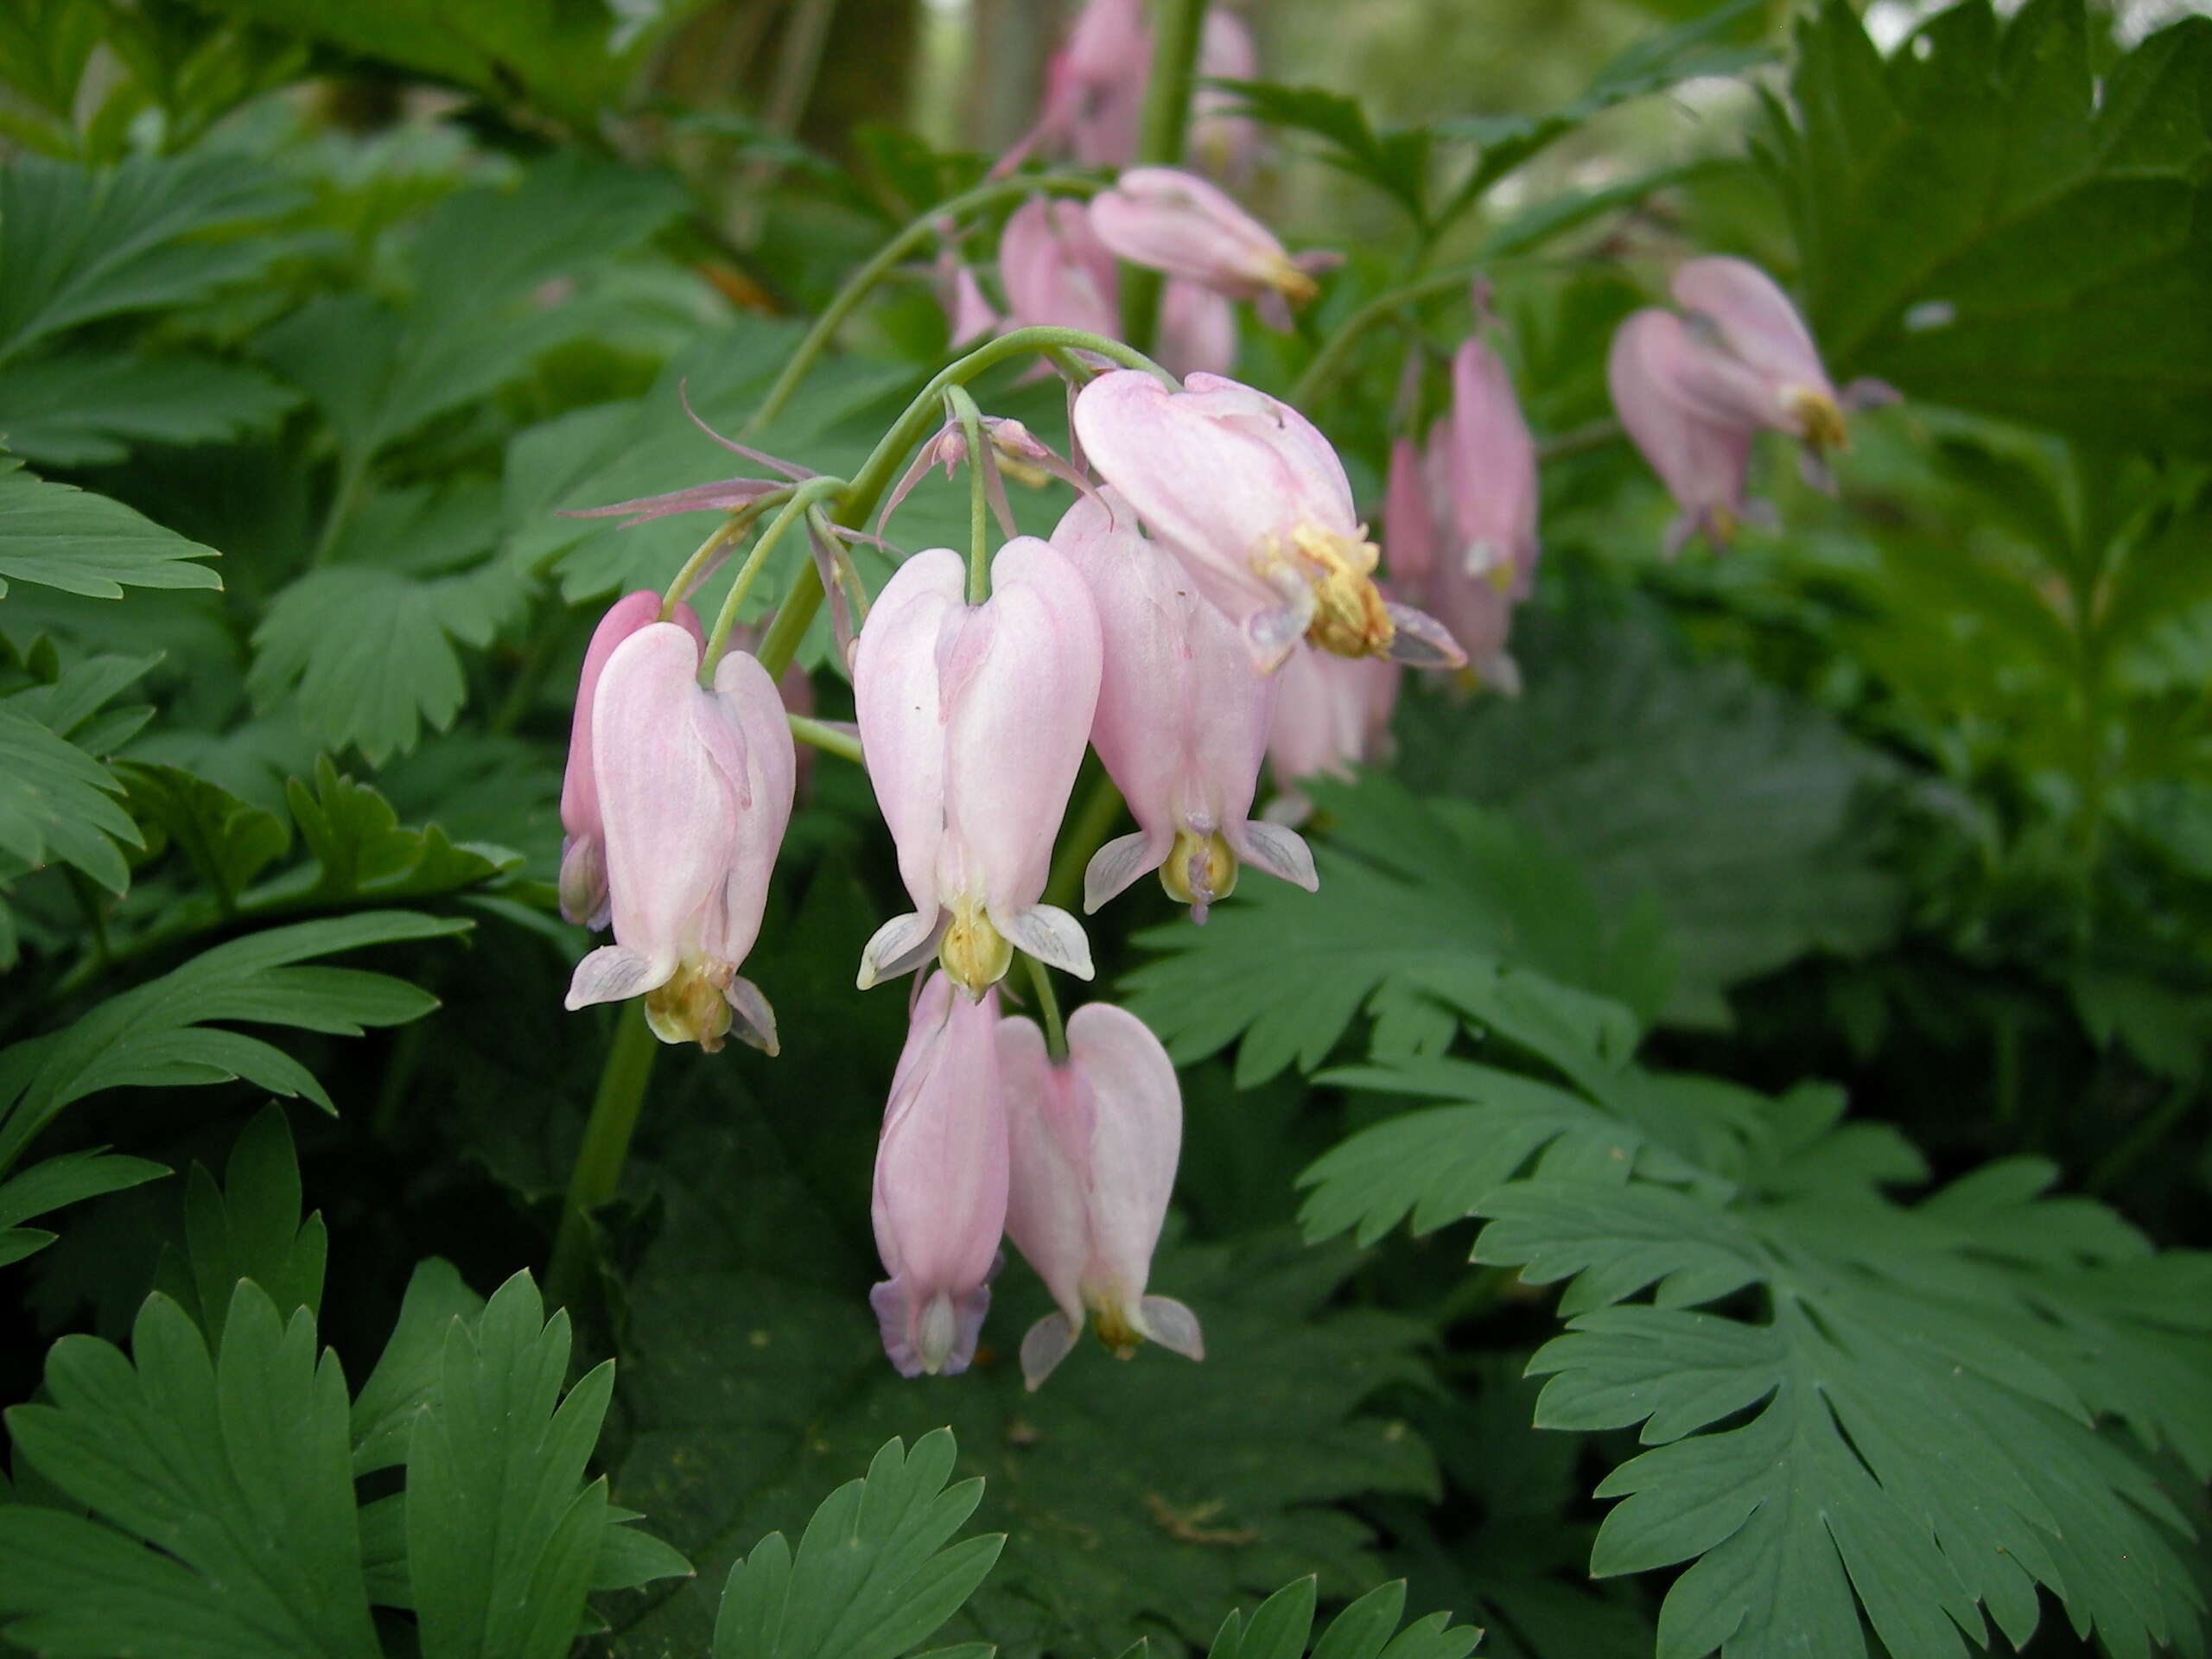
(1914, 794)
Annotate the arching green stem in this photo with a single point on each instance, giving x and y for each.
(902, 246)
(882, 465)
(711, 553)
(794, 509)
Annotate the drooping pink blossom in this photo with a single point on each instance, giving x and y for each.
(941, 1175)
(1332, 714)
(1255, 504)
(1692, 389)
(1703, 464)
(1489, 564)
(1170, 220)
(1057, 274)
(1056, 271)
(583, 844)
(1094, 1141)
(1753, 362)
(1182, 722)
(695, 789)
(973, 721)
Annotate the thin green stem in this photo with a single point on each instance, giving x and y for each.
(863, 281)
(1048, 1004)
(697, 568)
(1594, 435)
(598, 1173)
(1177, 26)
(793, 510)
(1381, 309)
(822, 735)
(979, 518)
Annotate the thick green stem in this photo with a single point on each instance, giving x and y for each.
(1048, 1005)
(1177, 26)
(909, 241)
(598, 1173)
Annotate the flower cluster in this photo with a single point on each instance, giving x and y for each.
(1211, 603)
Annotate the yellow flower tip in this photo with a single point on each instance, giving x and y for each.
(1350, 617)
(1819, 419)
(690, 1006)
(975, 953)
(1115, 1333)
(1297, 287)
(1209, 859)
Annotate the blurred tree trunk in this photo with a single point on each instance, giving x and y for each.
(1011, 40)
(814, 68)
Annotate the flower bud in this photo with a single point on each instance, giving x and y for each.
(1255, 503)
(940, 1197)
(695, 790)
(1094, 1143)
(973, 721)
(1182, 722)
(1226, 144)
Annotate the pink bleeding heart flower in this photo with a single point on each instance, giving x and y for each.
(1198, 330)
(1255, 504)
(1182, 722)
(1703, 463)
(1491, 474)
(1058, 274)
(973, 721)
(1755, 364)
(1056, 271)
(1095, 1140)
(1170, 220)
(583, 845)
(695, 790)
(1331, 713)
(1410, 532)
(941, 1173)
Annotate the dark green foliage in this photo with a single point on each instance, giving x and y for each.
(1991, 218)
(1907, 1357)
(234, 1470)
